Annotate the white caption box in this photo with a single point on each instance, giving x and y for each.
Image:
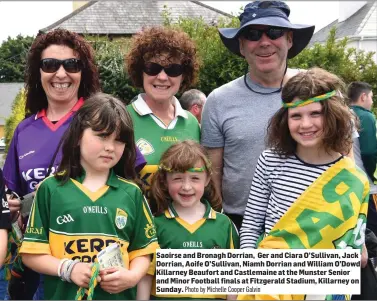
(216, 271)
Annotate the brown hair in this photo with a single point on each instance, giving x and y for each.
(337, 118)
(180, 157)
(355, 89)
(155, 41)
(104, 113)
(36, 99)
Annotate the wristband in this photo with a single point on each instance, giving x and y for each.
(65, 266)
(70, 268)
(60, 266)
(65, 274)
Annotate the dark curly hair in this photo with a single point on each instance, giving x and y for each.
(155, 41)
(337, 117)
(36, 99)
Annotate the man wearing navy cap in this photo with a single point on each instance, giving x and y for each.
(236, 115)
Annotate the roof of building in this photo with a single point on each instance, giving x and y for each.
(128, 17)
(8, 92)
(363, 22)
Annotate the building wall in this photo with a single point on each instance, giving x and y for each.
(8, 92)
(366, 45)
(369, 25)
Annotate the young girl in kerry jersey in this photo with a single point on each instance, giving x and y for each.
(85, 207)
(305, 194)
(186, 218)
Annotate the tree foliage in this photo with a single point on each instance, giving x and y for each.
(111, 66)
(334, 56)
(218, 64)
(13, 55)
(16, 116)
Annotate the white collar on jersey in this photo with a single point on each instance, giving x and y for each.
(142, 108)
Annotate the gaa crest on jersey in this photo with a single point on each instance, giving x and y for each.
(144, 147)
(120, 219)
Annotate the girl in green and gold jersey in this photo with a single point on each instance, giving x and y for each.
(186, 218)
(85, 207)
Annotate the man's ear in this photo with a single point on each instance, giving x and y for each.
(194, 109)
(241, 46)
(363, 96)
(290, 39)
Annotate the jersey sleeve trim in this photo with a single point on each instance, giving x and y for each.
(31, 247)
(152, 266)
(148, 250)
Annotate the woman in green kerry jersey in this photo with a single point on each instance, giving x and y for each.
(162, 61)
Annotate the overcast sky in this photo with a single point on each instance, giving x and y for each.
(27, 17)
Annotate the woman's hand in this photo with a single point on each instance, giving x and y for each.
(117, 279)
(81, 274)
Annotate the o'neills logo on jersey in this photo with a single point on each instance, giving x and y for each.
(95, 209)
(64, 219)
(192, 244)
(169, 139)
(27, 154)
(120, 219)
(144, 147)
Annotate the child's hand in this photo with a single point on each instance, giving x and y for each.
(117, 279)
(81, 274)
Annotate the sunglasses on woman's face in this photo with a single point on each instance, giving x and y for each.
(53, 65)
(172, 70)
(254, 35)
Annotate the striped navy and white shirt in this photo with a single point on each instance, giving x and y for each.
(277, 183)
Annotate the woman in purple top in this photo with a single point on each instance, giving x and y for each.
(60, 75)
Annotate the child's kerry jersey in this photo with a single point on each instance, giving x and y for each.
(213, 231)
(69, 221)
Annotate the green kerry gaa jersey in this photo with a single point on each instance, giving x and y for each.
(70, 221)
(153, 140)
(213, 231)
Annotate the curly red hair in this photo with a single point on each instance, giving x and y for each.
(156, 41)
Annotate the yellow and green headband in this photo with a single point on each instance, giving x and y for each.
(301, 103)
(192, 169)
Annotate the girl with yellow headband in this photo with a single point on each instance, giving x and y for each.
(305, 194)
(186, 218)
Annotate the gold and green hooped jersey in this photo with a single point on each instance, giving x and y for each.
(69, 221)
(213, 231)
(330, 214)
(152, 140)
